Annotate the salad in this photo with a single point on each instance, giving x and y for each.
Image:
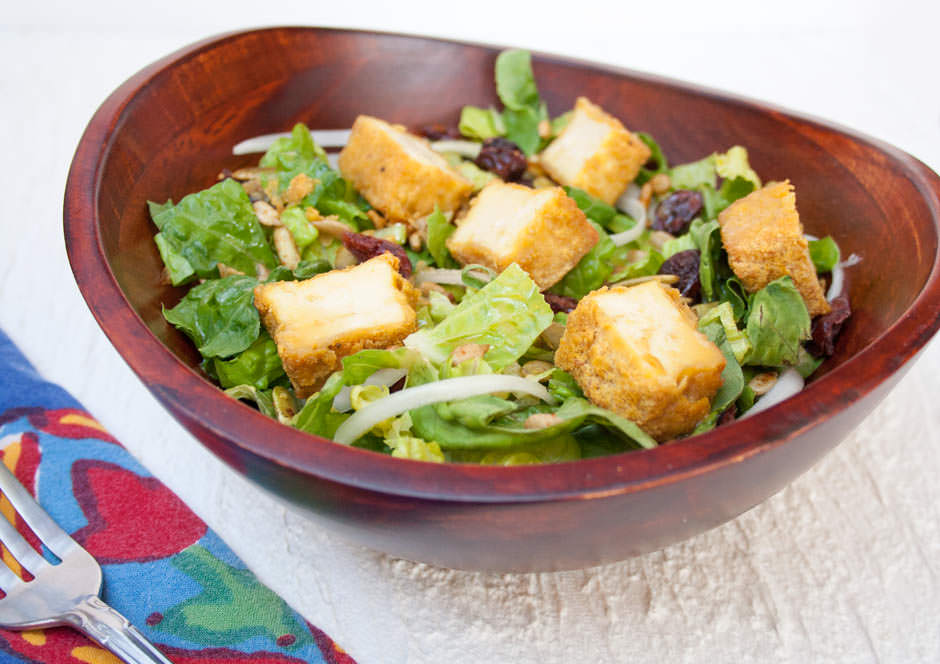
(518, 289)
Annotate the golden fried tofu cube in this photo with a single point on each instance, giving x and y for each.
(542, 230)
(595, 152)
(764, 240)
(636, 351)
(398, 173)
(317, 322)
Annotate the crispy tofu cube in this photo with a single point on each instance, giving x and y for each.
(636, 351)
(542, 230)
(398, 173)
(317, 322)
(764, 240)
(595, 152)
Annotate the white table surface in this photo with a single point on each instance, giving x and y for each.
(840, 566)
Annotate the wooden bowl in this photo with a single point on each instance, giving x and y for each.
(170, 129)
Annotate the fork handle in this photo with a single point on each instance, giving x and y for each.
(115, 632)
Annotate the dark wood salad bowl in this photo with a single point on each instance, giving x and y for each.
(170, 129)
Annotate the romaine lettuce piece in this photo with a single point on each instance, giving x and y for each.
(332, 195)
(439, 229)
(216, 225)
(777, 324)
(734, 164)
(300, 229)
(824, 253)
(288, 151)
(594, 268)
(600, 212)
(259, 365)
(515, 85)
(508, 314)
(219, 316)
(480, 123)
(723, 315)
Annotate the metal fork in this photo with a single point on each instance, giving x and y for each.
(61, 594)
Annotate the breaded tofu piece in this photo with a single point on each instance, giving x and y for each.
(595, 152)
(764, 240)
(398, 173)
(542, 230)
(636, 351)
(317, 322)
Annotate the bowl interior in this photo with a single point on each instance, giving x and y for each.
(174, 134)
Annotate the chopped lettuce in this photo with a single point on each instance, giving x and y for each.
(707, 238)
(824, 253)
(732, 377)
(300, 228)
(734, 164)
(702, 175)
(258, 365)
(524, 110)
(723, 314)
(332, 194)
(219, 316)
(508, 314)
(263, 399)
(216, 225)
(594, 268)
(777, 324)
(288, 152)
(600, 212)
(439, 229)
(481, 123)
(656, 157)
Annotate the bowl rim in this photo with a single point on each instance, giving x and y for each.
(194, 399)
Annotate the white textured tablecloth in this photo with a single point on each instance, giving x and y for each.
(840, 566)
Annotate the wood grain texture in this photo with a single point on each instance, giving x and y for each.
(156, 138)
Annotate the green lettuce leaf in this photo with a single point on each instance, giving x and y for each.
(219, 316)
(594, 268)
(824, 253)
(177, 267)
(694, 174)
(515, 82)
(263, 399)
(707, 238)
(287, 152)
(522, 128)
(508, 314)
(480, 123)
(300, 228)
(734, 164)
(507, 430)
(723, 315)
(259, 365)
(777, 324)
(732, 376)
(600, 212)
(216, 225)
(731, 190)
(656, 157)
(332, 194)
(515, 85)
(439, 229)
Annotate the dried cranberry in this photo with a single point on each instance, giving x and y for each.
(560, 303)
(439, 132)
(826, 328)
(364, 247)
(684, 264)
(677, 211)
(503, 157)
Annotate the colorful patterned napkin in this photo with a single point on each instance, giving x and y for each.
(171, 576)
